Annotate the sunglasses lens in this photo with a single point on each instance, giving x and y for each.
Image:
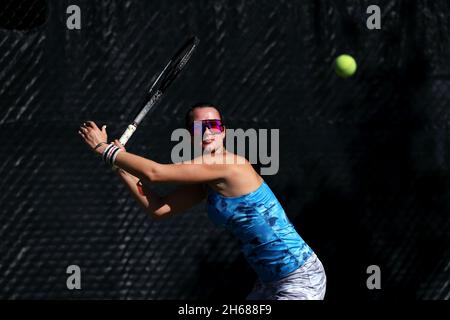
(200, 127)
(214, 125)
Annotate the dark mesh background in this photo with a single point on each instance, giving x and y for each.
(364, 171)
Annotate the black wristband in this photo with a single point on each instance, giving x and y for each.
(99, 145)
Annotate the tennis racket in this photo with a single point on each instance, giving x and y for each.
(160, 85)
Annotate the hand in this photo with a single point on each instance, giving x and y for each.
(118, 144)
(92, 135)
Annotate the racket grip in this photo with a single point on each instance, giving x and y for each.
(127, 134)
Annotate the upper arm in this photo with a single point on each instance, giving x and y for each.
(188, 172)
(180, 200)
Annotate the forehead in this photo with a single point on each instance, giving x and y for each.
(205, 113)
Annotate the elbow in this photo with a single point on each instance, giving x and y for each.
(152, 175)
(157, 210)
(157, 216)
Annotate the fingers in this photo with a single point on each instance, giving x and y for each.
(89, 130)
(91, 124)
(84, 128)
(104, 132)
(117, 142)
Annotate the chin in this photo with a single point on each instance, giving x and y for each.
(210, 149)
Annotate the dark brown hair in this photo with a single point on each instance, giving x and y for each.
(188, 117)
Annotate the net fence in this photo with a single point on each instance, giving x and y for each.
(364, 163)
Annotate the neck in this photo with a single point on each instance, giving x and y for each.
(218, 151)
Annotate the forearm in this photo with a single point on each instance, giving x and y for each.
(150, 171)
(135, 165)
(147, 201)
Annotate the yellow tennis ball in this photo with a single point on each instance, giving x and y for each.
(345, 66)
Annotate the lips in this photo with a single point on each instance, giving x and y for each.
(207, 141)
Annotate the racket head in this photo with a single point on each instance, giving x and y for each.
(170, 72)
(177, 63)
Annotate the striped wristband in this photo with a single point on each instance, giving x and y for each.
(114, 155)
(110, 153)
(105, 152)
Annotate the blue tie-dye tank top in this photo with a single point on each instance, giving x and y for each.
(268, 239)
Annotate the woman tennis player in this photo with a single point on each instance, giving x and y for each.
(237, 199)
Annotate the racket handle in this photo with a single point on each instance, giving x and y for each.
(127, 134)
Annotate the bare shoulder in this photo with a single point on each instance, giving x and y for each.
(240, 167)
(237, 159)
(220, 159)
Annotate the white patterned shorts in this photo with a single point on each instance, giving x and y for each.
(306, 283)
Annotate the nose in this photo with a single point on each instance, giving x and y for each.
(208, 132)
